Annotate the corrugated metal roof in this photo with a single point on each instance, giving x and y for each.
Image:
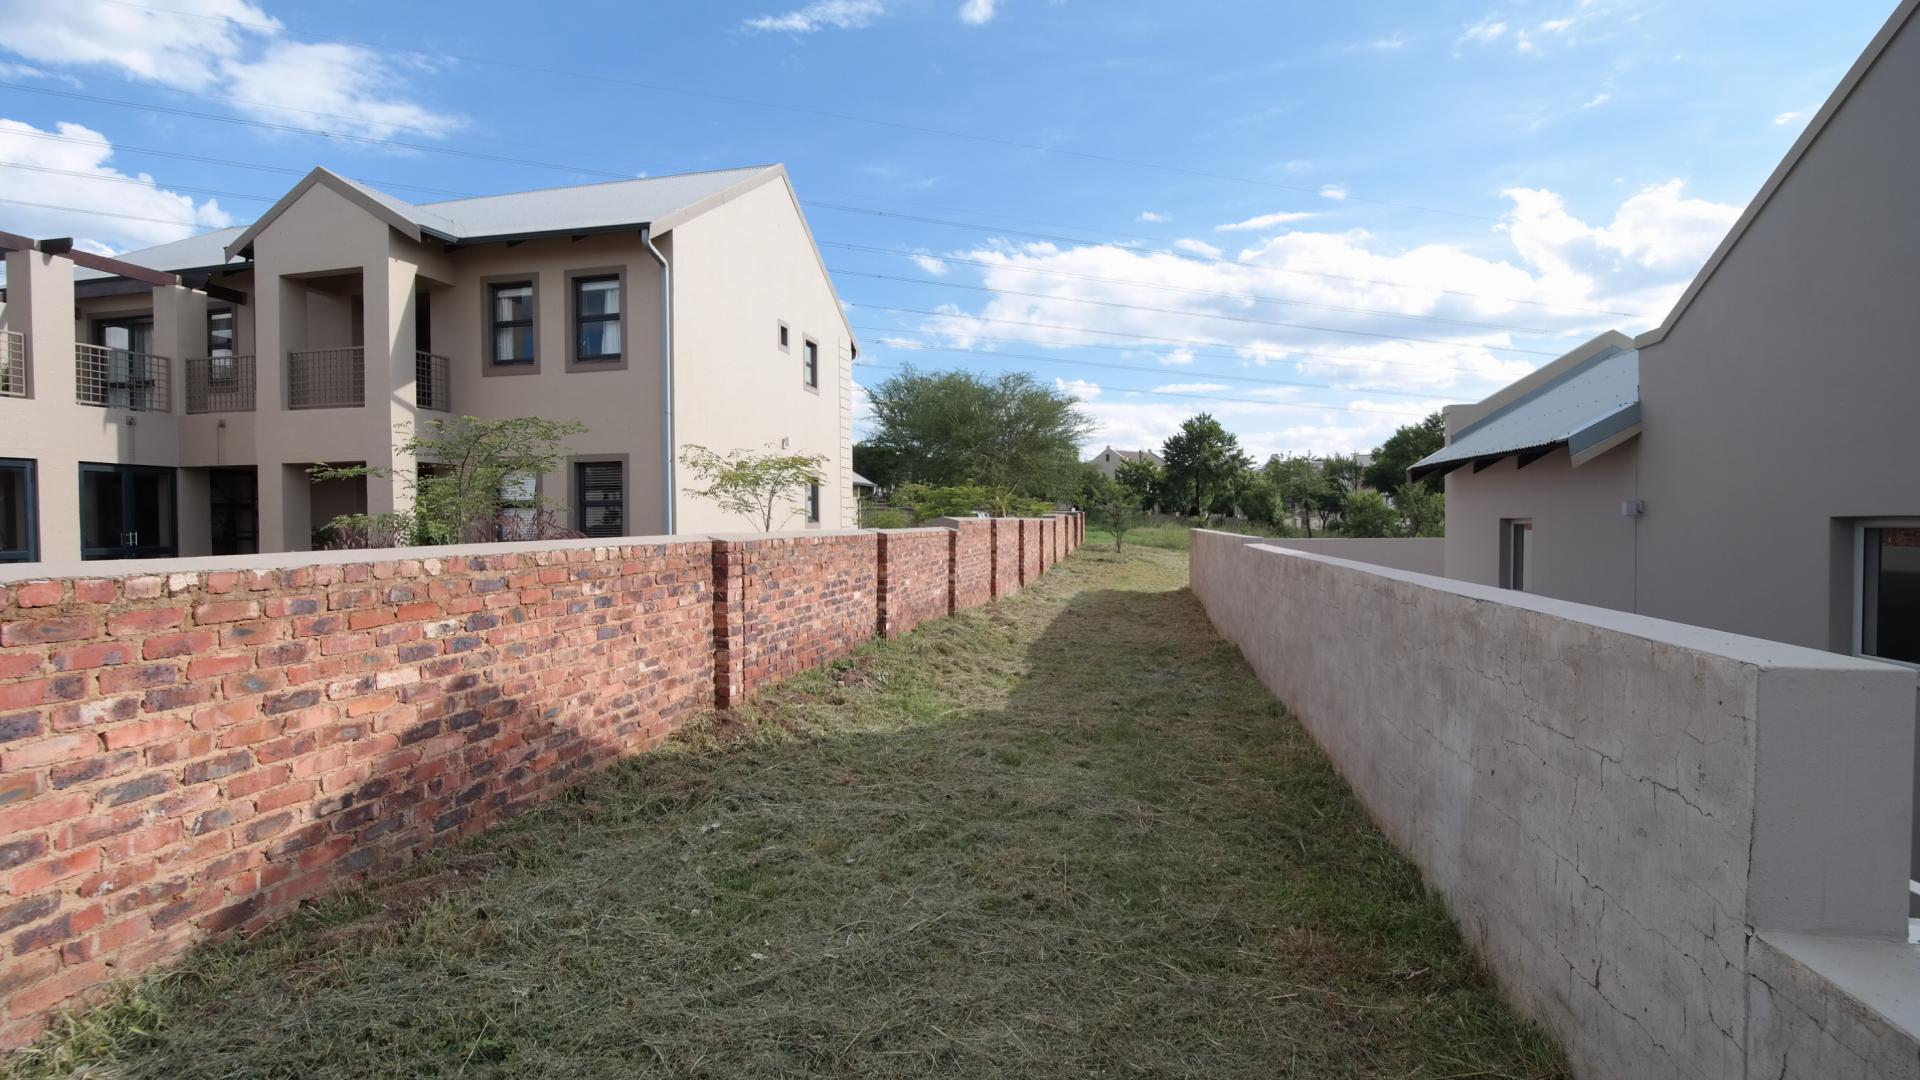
(1592, 402)
(587, 206)
(193, 253)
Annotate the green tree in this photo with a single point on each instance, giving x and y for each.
(1112, 507)
(1144, 480)
(879, 464)
(477, 483)
(926, 502)
(763, 487)
(1423, 511)
(1368, 514)
(1008, 434)
(1298, 485)
(1203, 461)
(1392, 459)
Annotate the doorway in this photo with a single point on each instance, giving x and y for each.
(127, 512)
(233, 504)
(129, 379)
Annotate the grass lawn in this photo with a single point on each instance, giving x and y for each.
(1066, 835)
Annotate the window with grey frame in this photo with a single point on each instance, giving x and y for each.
(596, 318)
(19, 503)
(810, 363)
(813, 503)
(510, 313)
(1517, 554)
(1890, 593)
(600, 498)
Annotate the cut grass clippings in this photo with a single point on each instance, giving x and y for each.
(1066, 835)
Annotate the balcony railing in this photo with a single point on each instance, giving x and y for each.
(220, 384)
(13, 364)
(430, 385)
(327, 378)
(118, 379)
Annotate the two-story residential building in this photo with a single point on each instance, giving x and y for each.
(1109, 460)
(172, 400)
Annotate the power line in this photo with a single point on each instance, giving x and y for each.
(111, 214)
(1079, 243)
(994, 140)
(1164, 287)
(1214, 397)
(1137, 369)
(1187, 314)
(123, 148)
(1114, 333)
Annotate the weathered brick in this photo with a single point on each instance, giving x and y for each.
(167, 646)
(213, 769)
(226, 612)
(48, 751)
(21, 726)
(145, 621)
(36, 876)
(16, 852)
(145, 787)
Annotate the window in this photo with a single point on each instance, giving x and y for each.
(596, 318)
(600, 497)
(1890, 593)
(519, 506)
(783, 337)
(510, 313)
(813, 503)
(19, 532)
(1517, 552)
(810, 364)
(220, 332)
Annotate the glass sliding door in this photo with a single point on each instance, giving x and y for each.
(129, 378)
(126, 512)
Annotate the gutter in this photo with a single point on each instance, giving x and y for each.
(666, 375)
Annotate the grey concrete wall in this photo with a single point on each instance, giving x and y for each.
(1422, 555)
(1611, 804)
(1582, 546)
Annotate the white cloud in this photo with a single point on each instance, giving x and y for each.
(1656, 229)
(931, 264)
(1176, 358)
(975, 12)
(1555, 26)
(1335, 192)
(173, 215)
(820, 15)
(1197, 247)
(1597, 100)
(227, 47)
(1788, 117)
(1265, 221)
(1152, 217)
(1080, 388)
(1393, 42)
(1190, 388)
(1486, 30)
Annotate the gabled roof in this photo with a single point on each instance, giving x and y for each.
(659, 202)
(1129, 455)
(1815, 127)
(1587, 401)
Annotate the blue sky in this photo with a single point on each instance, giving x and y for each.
(1316, 221)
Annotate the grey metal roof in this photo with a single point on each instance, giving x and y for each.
(1585, 406)
(193, 253)
(586, 206)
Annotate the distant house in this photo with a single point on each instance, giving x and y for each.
(863, 488)
(1750, 464)
(1108, 461)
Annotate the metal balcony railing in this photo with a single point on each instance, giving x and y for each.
(327, 378)
(118, 379)
(13, 364)
(220, 384)
(431, 389)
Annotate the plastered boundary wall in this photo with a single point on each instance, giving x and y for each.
(194, 746)
(1422, 555)
(1640, 825)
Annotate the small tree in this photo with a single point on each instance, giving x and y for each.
(1423, 511)
(1367, 514)
(472, 470)
(757, 486)
(1114, 507)
(1142, 479)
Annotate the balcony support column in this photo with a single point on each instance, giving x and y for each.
(40, 307)
(179, 331)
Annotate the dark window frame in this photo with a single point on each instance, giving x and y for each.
(786, 337)
(576, 320)
(30, 469)
(1867, 589)
(813, 504)
(491, 288)
(576, 475)
(809, 363)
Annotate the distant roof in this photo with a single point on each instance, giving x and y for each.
(861, 481)
(194, 253)
(581, 208)
(1128, 455)
(1589, 407)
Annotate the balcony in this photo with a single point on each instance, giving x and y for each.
(327, 378)
(218, 384)
(431, 388)
(118, 379)
(13, 364)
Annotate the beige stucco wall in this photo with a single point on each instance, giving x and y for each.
(739, 270)
(1582, 543)
(1611, 805)
(1423, 555)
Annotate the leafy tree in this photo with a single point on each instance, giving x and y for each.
(1144, 480)
(1423, 511)
(1203, 462)
(764, 487)
(879, 464)
(1260, 500)
(1368, 514)
(1113, 507)
(926, 502)
(1009, 434)
(476, 484)
(1392, 459)
(1296, 483)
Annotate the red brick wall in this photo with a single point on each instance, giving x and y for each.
(1029, 549)
(785, 604)
(914, 586)
(1047, 555)
(193, 752)
(972, 583)
(1006, 556)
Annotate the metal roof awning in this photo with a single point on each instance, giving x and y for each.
(1590, 409)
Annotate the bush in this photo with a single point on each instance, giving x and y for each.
(886, 517)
